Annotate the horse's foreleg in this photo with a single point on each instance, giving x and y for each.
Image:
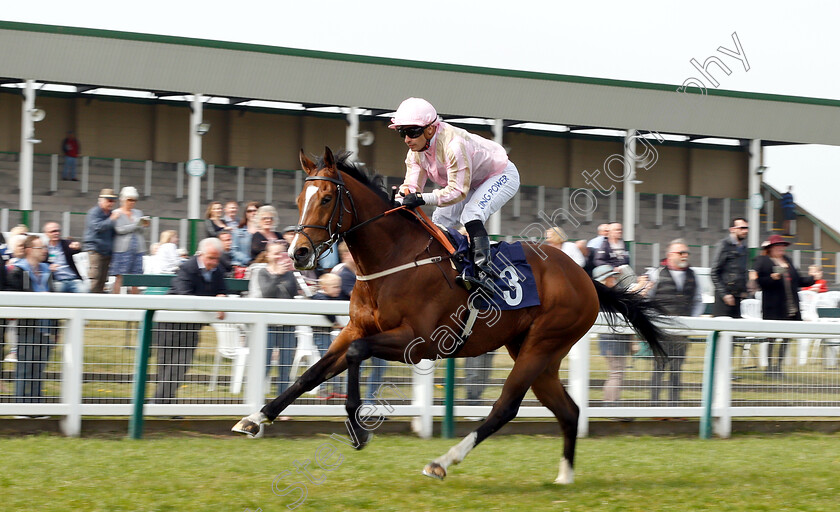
(553, 395)
(330, 365)
(521, 376)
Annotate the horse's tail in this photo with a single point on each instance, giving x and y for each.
(640, 312)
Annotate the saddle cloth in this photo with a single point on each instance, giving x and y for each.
(517, 288)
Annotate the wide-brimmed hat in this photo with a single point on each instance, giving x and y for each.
(601, 273)
(776, 240)
(107, 193)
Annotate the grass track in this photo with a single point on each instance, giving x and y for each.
(748, 473)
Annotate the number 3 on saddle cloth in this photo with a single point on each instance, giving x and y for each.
(514, 286)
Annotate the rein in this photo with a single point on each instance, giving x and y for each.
(340, 208)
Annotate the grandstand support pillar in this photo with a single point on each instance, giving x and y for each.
(754, 188)
(494, 226)
(194, 193)
(27, 141)
(630, 192)
(352, 133)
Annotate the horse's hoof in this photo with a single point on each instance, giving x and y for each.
(364, 441)
(434, 470)
(250, 425)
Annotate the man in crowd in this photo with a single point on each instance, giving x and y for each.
(229, 218)
(60, 252)
(729, 270)
(176, 342)
(70, 148)
(675, 287)
(99, 238)
(613, 250)
(226, 259)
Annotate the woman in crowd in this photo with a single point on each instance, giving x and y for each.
(267, 219)
(167, 259)
(242, 235)
(780, 283)
(129, 243)
(556, 237)
(214, 222)
(276, 280)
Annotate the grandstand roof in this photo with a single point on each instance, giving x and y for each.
(102, 58)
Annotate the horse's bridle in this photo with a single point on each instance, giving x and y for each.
(339, 209)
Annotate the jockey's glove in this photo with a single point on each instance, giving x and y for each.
(413, 200)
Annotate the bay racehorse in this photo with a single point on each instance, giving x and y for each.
(398, 303)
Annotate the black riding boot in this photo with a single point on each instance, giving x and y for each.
(482, 271)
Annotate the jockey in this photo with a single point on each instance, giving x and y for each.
(475, 173)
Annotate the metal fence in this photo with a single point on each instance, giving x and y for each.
(76, 355)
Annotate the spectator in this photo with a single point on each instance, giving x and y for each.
(330, 290)
(214, 222)
(16, 251)
(752, 283)
(595, 243)
(780, 283)
(70, 147)
(231, 209)
(267, 218)
(99, 238)
(242, 235)
(346, 270)
(556, 237)
(129, 242)
(729, 270)
(613, 250)
(226, 260)
(676, 289)
(820, 285)
(176, 342)
(276, 280)
(60, 252)
(788, 211)
(34, 337)
(166, 258)
(3, 261)
(614, 347)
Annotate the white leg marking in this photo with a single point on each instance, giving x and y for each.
(310, 191)
(457, 453)
(567, 474)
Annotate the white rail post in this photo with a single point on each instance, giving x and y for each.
(85, 173)
(211, 176)
(704, 212)
(117, 170)
(658, 209)
(179, 180)
(269, 184)
(681, 213)
(240, 184)
(154, 235)
(579, 380)
(65, 224)
(722, 401)
(4, 220)
(423, 392)
(254, 387)
(71, 374)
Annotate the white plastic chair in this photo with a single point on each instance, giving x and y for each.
(751, 308)
(827, 300)
(808, 308)
(229, 346)
(305, 350)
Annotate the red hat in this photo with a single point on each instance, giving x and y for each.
(776, 240)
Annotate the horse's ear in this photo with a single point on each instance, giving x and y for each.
(329, 159)
(306, 164)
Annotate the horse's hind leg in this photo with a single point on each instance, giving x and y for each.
(553, 395)
(504, 410)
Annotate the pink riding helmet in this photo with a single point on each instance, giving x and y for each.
(414, 112)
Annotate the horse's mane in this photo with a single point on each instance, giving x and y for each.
(359, 172)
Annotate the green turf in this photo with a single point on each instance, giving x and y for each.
(748, 473)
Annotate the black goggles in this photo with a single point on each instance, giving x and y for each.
(411, 131)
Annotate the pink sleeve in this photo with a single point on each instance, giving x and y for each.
(415, 175)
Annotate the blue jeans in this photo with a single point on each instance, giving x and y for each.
(69, 171)
(71, 286)
(374, 380)
(282, 337)
(35, 339)
(321, 338)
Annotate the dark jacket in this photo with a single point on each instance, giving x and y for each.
(729, 269)
(259, 243)
(773, 302)
(189, 281)
(99, 231)
(68, 255)
(605, 255)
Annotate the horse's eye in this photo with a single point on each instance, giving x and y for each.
(326, 200)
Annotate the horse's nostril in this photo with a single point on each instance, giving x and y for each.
(301, 253)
